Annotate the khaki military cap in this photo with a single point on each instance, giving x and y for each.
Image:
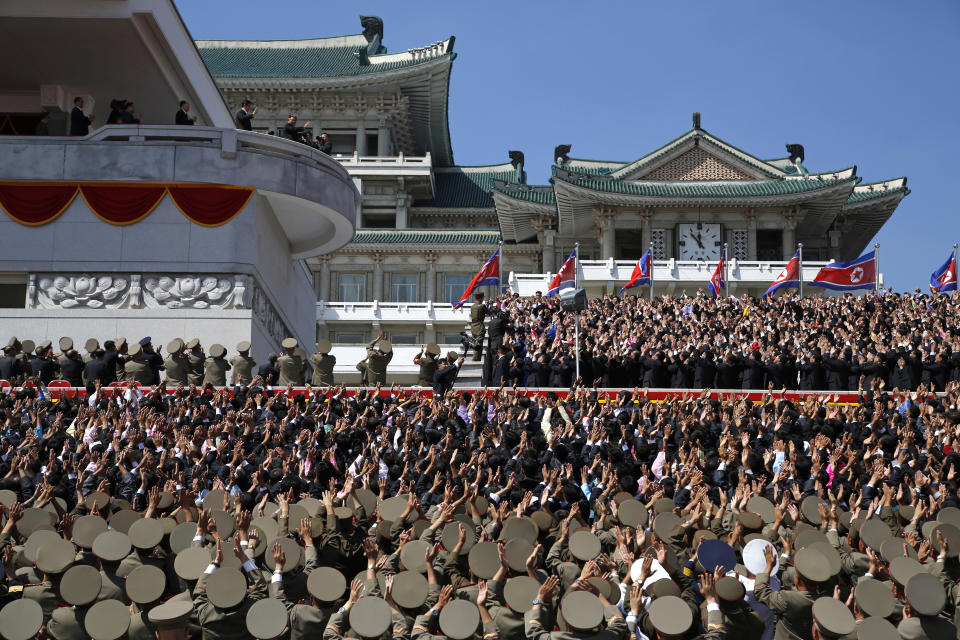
(452, 355)
(762, 507)
(750, 521)
(96, 501)
(413, 555)
(370, 617)
(172, 614)
(582, 610)
(730, 590)
(145, 533)
(193, 343)
(632, 513)
(55, 556)
(267, 619)
(289, 343)
(21, 619)
(410, 589)
(182, 536)
(874, 598)
(226, 588)
(832, 618)
(584, 545)
(484, 559)
(145, 584)
(80, 585)
(36, 540)
(190, 563)
(543, 520)
(33, 518)
(459, 620)
(385, 346)
(243, 346)
(134, 350)
(874, 532)
(112, 546)
(519, 593)
(517, 551)
(875, 628)
(122, 520)
(925, 594)
(66, 344)
(324, 346)
(520, 527)
(326, 584)
(218, 351)
(86, 529)
(175, 345)
(451, 535)
(119, 342)
(813, 565)
(292, 551)
(670, 615)
(107, 620)
(664, 524)
(91, 345)
(46, 344)
(433, 349)
(13, 341)
(28, 346)
(902, 569)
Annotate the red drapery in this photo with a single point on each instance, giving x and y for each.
(38, 203)
(209, 206)
(122, 204)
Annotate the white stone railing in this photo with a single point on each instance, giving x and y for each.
(399, 160)
(392, 312)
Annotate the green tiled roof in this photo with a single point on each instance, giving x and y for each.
(468, 187)
(589, 167)
(425, 236)
(300, 59)
(539, 194)
(861, 195)
(714, 189)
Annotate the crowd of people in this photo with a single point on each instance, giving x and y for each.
(264, 511)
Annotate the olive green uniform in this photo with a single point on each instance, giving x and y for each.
(478, 313)
(242, 369)
(793, 609)
(289, 370)
(177, 366)
(322, 364)
(428, 367)
(215, 371)
(195, 371)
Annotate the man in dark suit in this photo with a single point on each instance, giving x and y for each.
(324, 144)
(292, 131)
(245, 114)
(79, 121)
(183, 115)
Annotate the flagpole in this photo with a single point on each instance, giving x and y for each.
(499, 271)
(576, 317)
(800, 266)
(651, 271)
(726, 281)
(955, 264)
(876, 269)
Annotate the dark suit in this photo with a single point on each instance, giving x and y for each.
(97, 369)
(79, 122)
(326, 147)
(183, 118)
(10, 368)
(244, 120)
(293, 132)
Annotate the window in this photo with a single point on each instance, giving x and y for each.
(13, 295)
(404, 338)
(350, 338)
(353, 287)
(770, 244)
(403, 287)
(454, 284)
(451, 338)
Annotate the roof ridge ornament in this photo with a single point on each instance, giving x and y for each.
(561, 154)
(696, 120)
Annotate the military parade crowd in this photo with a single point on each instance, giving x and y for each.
(223, 502)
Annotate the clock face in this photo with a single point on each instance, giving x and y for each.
(699, 241)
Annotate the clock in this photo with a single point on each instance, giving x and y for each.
(699, 241)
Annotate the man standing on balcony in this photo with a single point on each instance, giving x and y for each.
(427, 360)
(478, 313)
(323, 364)
(244, 115)
(324, 144)
(183, 115)
(79, 121)
(292, 131)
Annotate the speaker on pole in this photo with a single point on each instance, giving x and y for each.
(573, 299)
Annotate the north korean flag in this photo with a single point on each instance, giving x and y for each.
(849, 276)
(566, 277)
(717, 280)
(945, 278)
(789, 278)
(641, 272)
(489, 274)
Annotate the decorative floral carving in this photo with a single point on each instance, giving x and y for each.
(84, 290)
(196, 292)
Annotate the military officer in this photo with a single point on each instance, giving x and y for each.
(42, 364)
(379, 355)
(176, 364)
(216, 366)
(242, 365)
(793, 608)
(91, 345)
(289, 366)
(122, 353)
(195, 360)
(323, 364)
(427, 359)
(478, 313)
(136, 368)
(70, 363)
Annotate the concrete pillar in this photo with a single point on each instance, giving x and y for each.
(383, 139)
(323, 292)
(607, 239)
(789, 239)
(361, 144)
(549, 252)
(752, 237)
(401, 218)
(429, 333)
(645, 215)
(378, 278)
(431, 283)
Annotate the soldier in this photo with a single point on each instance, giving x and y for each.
(223, 596)
(794, 608)
(172, 619)
(42, 364)
(289, 366)
(216, 367)
(91, 345)
(70, 363)
(176, 365)
(136, 368)
(427, 359)
(122, 349)
(242, 365)
(379, 355)
(478, 313)
(11, 368)
(195, 359)
(323, 364)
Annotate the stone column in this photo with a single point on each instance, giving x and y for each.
(751, 217)
(378, 277)
(403, 203)
(431, 259)
(604, 219)
(645, 215)
(361, 144)
(383, 138)
(549, 250)
(323, 291)
(791, 218)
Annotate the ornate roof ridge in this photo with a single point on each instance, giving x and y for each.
(476, 168)
(332, 41)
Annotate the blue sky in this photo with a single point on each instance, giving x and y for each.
(872, 84)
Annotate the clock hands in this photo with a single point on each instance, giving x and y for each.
(697, 238)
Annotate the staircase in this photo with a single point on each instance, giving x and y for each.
(471, 373)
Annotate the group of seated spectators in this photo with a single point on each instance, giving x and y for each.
(256, 511)
(816, 343)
